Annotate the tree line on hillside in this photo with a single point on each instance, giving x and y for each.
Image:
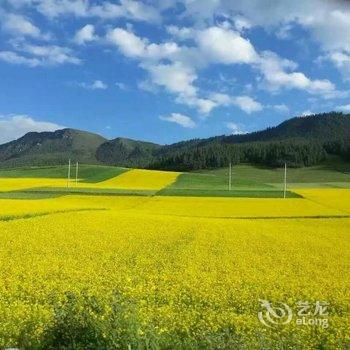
(293, 152)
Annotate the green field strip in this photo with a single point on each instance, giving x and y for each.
(212, 181)
(225, 193)
(29, 195)
(83, 191)
(87, 173)
(105, 175)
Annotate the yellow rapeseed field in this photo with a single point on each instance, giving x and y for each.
(338, 199)
(133, 179)
(169, 272)
(13, 184)
(138, 179)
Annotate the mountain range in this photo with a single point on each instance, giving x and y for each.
(300, 141)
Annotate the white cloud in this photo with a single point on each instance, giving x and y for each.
(19, 25)
(180, 119)
(341, 60)
(241, 23)
(203, 105)
(279, 73)
(176, 68)
(179, 75)
(133, 46)
(95, 85)
(235, 129)
(226, 46)
(127, 42)
(14, 58)
(85, 34)
(327, 22)
(245, 103)
(344, 108)
(176, 77)
(221, 45)
(180, 33)
(306, 113)
(56, 8)
(130, 9)
(284, 32)
(15, 126)
(51, 54)
(40, 55)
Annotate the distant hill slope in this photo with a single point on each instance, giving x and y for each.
(126, 152)
(46, 148)
(300, 141)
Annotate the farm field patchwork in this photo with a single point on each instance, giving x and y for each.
(137, 179)
(14, 184)
(158, 272)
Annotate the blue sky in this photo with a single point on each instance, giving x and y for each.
(165, 71)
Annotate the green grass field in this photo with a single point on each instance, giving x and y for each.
(247, 181)
(332, 170)
(87, 173)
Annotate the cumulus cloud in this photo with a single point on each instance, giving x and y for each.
(133, 46)
(85, 34)
(327, 22)
(179, 119)
(221, 45)
(178, 76)
(15, 126)
(279, 73)
(226, 46)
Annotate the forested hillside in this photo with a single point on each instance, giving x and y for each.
(300, 141)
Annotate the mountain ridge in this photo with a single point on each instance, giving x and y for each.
(290, 142)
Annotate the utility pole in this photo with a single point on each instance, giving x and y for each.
(76, 174)
(285, 181)
(230, 177)
(68, 176)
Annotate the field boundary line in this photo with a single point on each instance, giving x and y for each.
(312, 217)
(6, 218)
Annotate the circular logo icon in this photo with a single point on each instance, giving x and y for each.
(274, 314)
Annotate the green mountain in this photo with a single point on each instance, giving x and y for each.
(48, 148)
(300, 141)
(127, 152)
